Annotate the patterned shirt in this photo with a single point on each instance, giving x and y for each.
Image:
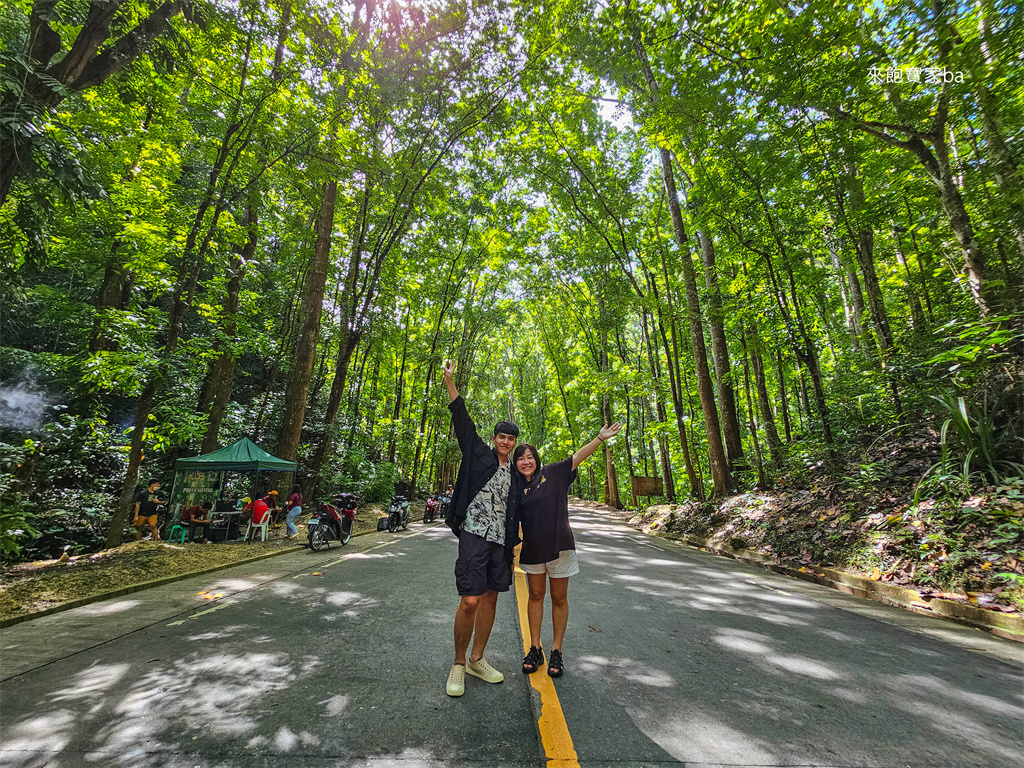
(485, 515)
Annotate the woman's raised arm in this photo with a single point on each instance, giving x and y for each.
(588, 450)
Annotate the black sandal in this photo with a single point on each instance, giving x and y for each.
(555, 663)
(533, 660)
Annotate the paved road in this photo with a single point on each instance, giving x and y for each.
(674, 657)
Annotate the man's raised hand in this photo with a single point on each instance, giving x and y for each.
(607, 432)
(448, 373)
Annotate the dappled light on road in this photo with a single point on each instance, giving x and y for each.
(108, 607)
(341, 661)
(729, 668)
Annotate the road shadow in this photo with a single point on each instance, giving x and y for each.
(716, 664)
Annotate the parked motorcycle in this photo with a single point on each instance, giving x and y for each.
(332, 523)
(432, 509)
(446, 501)
(398, 513)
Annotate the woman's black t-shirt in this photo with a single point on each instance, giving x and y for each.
(544, 513)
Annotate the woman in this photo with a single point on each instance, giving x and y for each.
(294, 507)
(549, 552)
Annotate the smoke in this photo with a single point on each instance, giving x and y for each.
(23, 405)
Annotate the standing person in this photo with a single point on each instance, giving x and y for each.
(549, 551)
(146, 503)
(294, 509)
(483, 515)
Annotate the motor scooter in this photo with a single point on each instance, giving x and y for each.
(398, 513)
(332, 523)
(432, 508)
(446, 501)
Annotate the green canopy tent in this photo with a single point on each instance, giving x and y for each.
(200, 478)
(243, 456)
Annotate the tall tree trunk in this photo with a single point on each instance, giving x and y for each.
(863, 236)
(112, 296)
(764, 404)
(721, 478)
(722, 483)
(852, 322)
(916, 313)
(396, 412)
(663, 447)
(720, 353)
(304, 354)
(780, 370)
(751, 418)
(611, 482)
(676, 389)
(222, 369)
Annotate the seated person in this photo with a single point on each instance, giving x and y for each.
(258, 509)
(197, 517)
(275, 511)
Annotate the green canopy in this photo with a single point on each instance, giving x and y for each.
(242, 456)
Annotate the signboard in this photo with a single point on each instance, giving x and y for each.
(647, 486)
(194, 488)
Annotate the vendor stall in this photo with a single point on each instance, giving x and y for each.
(201, 478)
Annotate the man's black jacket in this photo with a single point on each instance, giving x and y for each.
(479, 463)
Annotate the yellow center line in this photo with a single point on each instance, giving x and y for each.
(554, 731)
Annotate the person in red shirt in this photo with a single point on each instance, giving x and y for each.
(197, 518)
(294, 507)
(258, 508)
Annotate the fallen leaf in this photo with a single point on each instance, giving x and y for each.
(876, 574)
(986, 565)
(593, 627)
(204, 592)
(318, 573)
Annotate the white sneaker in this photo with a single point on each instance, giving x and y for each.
(456, 681)
(484, 671)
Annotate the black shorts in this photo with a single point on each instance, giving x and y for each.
(481, 566)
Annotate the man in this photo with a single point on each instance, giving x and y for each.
(146, 503)
(197, 518)
(483, 515)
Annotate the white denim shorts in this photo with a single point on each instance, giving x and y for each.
(562, 567)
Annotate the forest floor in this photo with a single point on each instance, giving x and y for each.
(967, 547)
(36, 586)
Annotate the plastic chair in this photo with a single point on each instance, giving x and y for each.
(176, 530)
(261, 526)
